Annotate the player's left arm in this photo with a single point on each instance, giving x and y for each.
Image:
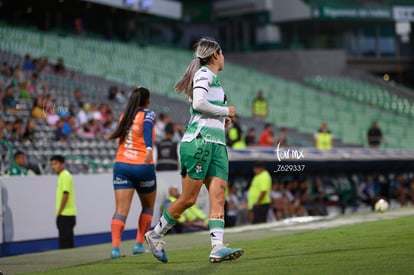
(148, 124)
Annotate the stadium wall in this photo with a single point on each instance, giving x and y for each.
(28, 210)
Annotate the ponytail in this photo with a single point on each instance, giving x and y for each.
(204, 49)
(138, 99)
(185, 84)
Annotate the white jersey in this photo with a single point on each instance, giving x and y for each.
(207, 108)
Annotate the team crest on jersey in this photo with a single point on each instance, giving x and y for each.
(199, 168)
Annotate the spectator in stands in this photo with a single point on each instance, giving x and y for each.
(77, 101)
(260, 107)
(38, 110)
(323, 139)
(65, 203)
(60, 135)
(28, 63)
(45, 66)
(110, 122)
(236, 207)
(160, 124)
(311, 199)
(121, 96)
(107, 129)
(8, 130)
(69, 125)
(18, 129)
(29, 132)
(235, 137)
(84, 114)
(178, 132)
(18, 167)
(280, 203)
(17, 77)
(267, 138)
(250, 138)
(233, 205)
(95, 113)
(59, 67)
(52, 117)
(79, 26)
(26, 90)
(399, 190)
(1, 98)
(88, 130)
(410, 189)
(9, 102)
(304, 196)
(258, 194)
(104, 109)
(5, 70)
(35, 83)
(112, 92)
(282, 139)
(167, 151)
(1, 129)
(374, 135)
(291, 193)
(318, 195)
(367, 192)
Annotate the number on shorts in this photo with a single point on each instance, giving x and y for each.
(201, 154)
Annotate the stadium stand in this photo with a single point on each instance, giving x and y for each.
(100, 64)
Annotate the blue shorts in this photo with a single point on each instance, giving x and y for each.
(140, 177)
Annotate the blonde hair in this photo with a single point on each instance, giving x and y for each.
(204, 49)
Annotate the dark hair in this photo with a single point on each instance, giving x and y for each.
(58, 158)
(18, 154)
(169, 128)
(138, 98)
(259, 164)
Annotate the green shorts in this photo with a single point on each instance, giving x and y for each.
(201, 159)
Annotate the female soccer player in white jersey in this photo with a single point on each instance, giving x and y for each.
(203, 151)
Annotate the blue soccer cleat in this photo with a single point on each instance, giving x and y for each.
(115, 253)
(138, 248)
(222, 253)
(156, 243)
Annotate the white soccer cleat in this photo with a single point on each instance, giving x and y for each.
(222, 253)
(156, 243)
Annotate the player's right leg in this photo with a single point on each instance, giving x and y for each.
(124, 191)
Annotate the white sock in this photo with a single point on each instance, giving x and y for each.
(216, 231)
(165, 223)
